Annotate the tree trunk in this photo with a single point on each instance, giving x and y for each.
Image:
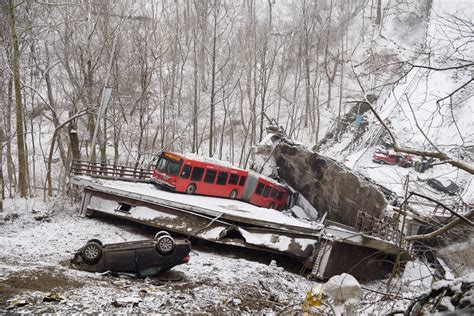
(378, 19)
(223, 124)
(213, 85)
(318, 116)
(88, 82)
(2, 189)
(11, 177)
(32, 156)
(51, 150)
(22, 178)
(54, 115)
(307, 66)
(340, 126)
(88, 77)
(74, 140)
(195, 96)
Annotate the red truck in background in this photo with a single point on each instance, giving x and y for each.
(382, 157)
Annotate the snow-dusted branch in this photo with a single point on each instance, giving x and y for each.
(461, 217)
(419, 127)
(454, 92)
(440, 230)
(441, 69)
(413, 151)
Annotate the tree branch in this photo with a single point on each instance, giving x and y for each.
(439, 231)
(51, 149)
(398, 148)
(452, 93)
(444, 206)
(440, 69)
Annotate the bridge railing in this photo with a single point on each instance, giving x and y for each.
(375, 227)
(108, 171)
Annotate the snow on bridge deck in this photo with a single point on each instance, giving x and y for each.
(212, 206)
(332, 249)
(214, 219)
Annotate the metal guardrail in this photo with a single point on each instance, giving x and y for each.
(107, 171)
(375, 227)
(438, 210)
(459, 208)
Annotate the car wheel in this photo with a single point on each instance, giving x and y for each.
(97, 241)
(161, 233)
(165, 245)
(233, 194)
(92, 252)
(191, 189)
(382, 162)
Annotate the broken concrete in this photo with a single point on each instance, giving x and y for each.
(330, 249)
(327, 185)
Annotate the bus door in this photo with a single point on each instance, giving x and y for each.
(250, 185)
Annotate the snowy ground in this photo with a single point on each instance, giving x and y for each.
(38, 240)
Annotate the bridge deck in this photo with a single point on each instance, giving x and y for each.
(231, 222)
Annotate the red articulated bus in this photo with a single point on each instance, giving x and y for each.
(198, 175)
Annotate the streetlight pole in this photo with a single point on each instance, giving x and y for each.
(106, 93)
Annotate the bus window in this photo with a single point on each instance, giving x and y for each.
(259, 188)
(168, 166)
(242, 180)
(186, 172)
(233, 179)
(222, 178)
(274, 193)
(280, 195)
(210, 176)
(267, 190)
(197, 173)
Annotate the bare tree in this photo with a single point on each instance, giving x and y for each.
(2, 182)
(22, 167)
(219, 25)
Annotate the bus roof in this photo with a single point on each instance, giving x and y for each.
(266, 178)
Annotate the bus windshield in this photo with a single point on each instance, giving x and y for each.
(168, 166)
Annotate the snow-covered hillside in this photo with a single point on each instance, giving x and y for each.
(431, 107)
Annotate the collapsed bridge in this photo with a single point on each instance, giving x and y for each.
(328, 248)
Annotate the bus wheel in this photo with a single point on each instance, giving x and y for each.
(233, 194)
(271, 205)
(191, 189)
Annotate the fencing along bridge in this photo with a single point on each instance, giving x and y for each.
(326, 248)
